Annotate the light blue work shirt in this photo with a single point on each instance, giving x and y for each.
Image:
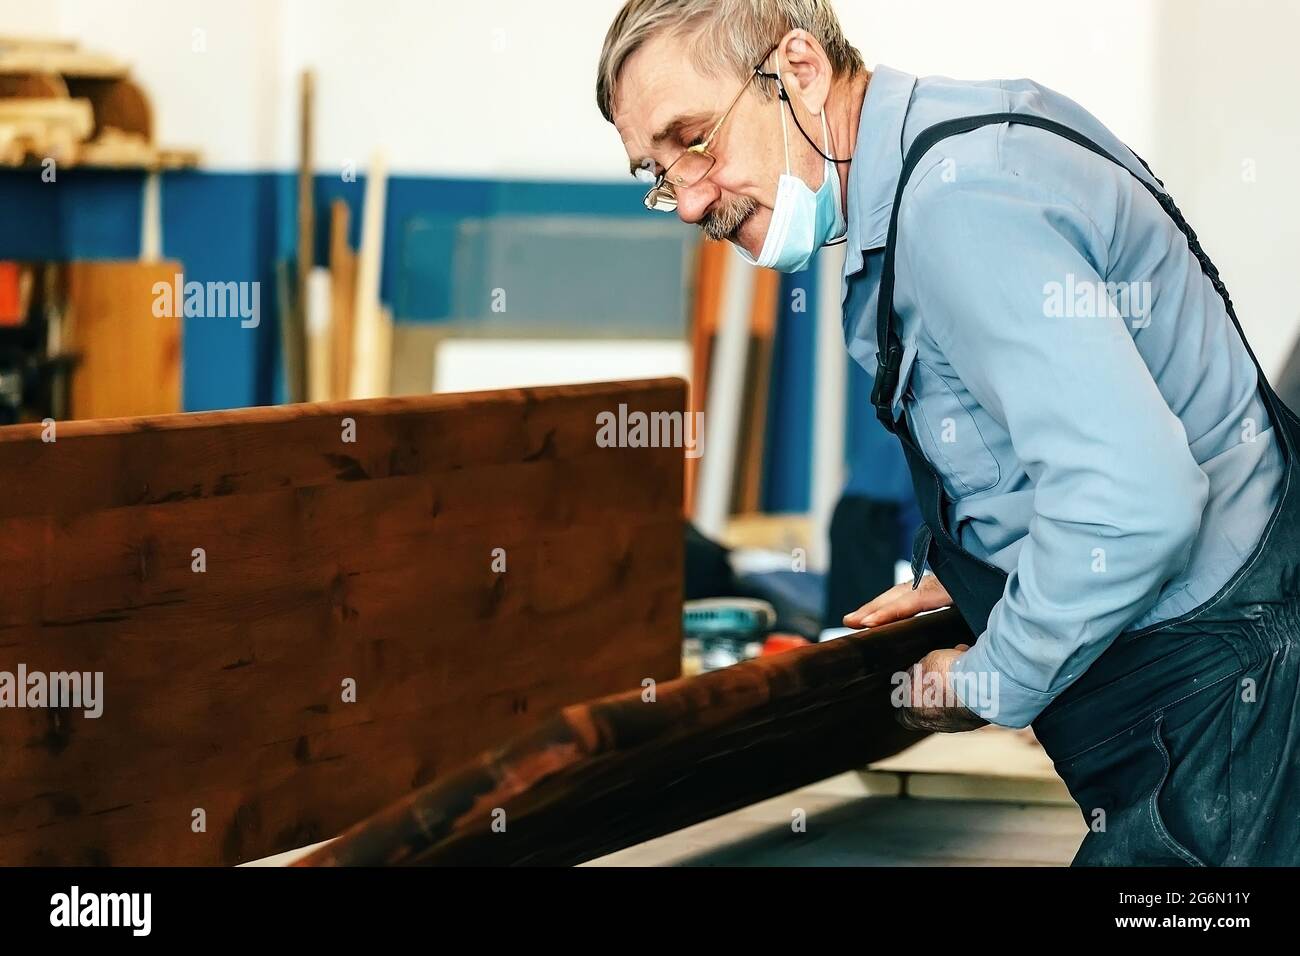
(1104, 445)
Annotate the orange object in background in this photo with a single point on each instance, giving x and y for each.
(706, 304)
(130, 355)
(779, 643)
(11, 310)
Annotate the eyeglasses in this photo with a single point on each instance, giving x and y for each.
(693, 165)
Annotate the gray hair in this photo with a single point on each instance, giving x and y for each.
(732, 35)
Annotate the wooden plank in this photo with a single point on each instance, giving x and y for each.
(324, 560)
(113, 149)
(34, 85)
(747, 485)
(368, 363)
(614, 772)
(48, 59)
(130, 357)
(342, 301)
(990, 751)
(382, 362)
(319, 357)
(292, 348)
(37, 42)
(35, 113)
(956, 786)
(299, 387)
(706, 303)
(991, 763)
(726, 397)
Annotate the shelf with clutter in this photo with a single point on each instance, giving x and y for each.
(62, 106)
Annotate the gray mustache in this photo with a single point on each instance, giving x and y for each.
(723, 221)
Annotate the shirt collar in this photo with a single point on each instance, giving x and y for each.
(877, 162)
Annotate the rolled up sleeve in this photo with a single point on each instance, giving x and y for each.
(1118, 497)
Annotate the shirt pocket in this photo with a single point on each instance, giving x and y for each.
(948, 434)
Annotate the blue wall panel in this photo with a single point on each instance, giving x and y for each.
(83, 214)
(787, 469)
(222, 227)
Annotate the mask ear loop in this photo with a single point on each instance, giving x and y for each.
(785, 137)
(785, 132)
(832, 171)
(781, 94)
(826, 134)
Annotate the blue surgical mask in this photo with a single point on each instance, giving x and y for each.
(802, 221)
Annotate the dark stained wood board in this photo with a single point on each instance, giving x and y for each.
(614, 772)
(325, 560)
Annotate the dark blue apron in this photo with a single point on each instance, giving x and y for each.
(1180, 742)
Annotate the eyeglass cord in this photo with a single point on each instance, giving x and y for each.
(783, 95)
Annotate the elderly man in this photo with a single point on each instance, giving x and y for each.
(1105, 474)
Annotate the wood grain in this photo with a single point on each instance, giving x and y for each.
(298, 375)
(343, 275)
(747, 489)
(706, 303)
(325, 560)
(614, 772)
(130, 358)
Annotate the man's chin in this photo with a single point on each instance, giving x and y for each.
(752, 251)
(743, 237)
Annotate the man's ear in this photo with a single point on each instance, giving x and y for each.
(805, 69)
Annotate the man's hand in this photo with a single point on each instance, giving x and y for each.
(932, 704)
(900, 602)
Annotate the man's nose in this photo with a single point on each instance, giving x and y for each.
(694, 201)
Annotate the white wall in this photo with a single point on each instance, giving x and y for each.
(506, 87)
(1227, 145)
(210, 68)
(492, 87)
